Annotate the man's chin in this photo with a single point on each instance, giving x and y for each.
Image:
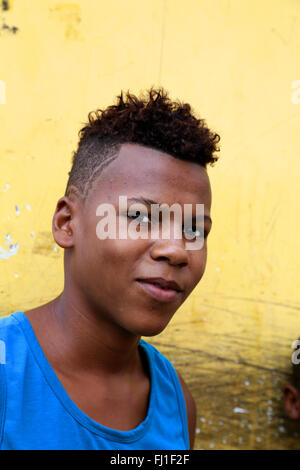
(152, 329)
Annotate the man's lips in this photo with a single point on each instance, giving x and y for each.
(160, 289)
(162, 283)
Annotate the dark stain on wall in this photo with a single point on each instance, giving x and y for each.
(5, 5)
(10, 29)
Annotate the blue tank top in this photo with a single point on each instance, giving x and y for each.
(36, 413)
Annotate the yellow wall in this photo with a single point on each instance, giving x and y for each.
(236, 62)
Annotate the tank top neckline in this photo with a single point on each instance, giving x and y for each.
(61, 394)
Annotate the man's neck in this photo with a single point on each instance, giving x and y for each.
(78, 339)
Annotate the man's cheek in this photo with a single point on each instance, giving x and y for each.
(200, 269)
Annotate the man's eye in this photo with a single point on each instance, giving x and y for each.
(137, 215)
(196, 233)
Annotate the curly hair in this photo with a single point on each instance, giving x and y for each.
(152, 120)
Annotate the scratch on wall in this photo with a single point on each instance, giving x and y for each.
(287, 38)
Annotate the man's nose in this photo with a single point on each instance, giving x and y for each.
(172, 250)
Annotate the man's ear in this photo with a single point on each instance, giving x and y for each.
(63, 222)
(291, 401)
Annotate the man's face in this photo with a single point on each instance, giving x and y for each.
(109, 272)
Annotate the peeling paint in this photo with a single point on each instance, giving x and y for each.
(239, 410)
(12, 251)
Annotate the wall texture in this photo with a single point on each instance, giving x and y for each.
(238, 64)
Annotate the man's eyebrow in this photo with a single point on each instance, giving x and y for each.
(149, 202)
(142, 199)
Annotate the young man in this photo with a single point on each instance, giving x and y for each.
(77, 374)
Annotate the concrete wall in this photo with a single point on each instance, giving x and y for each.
(238, 64)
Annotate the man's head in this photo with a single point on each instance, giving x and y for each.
(153, 121)
(149, 150)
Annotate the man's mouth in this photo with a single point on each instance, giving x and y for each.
(162, 283)
(160, 288)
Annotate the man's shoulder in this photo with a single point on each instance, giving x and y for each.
(154, 350)
(10, 331)
(8, 321)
